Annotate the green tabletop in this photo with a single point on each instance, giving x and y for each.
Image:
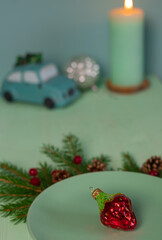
(105, 122)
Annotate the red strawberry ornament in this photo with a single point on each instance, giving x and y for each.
(115, 210)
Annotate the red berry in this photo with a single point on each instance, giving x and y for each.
(77, 159)
(35, 181)
(154, 173)
(54, 172)
(33, 172)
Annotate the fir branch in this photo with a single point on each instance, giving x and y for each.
(14, 180)
(45, 174)
(72, 146)
(22, 217)
(4, 185)
(16, 208)
(12, 170)
(160, 174)
(73, 150)
(104, 159)
(17, 195)
(129, 163)
(20, 186)
(16, 211)
(58, 157)
(17, 192)
(10, 189)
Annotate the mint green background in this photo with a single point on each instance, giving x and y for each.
(63, 28)
(66, 211)
(105, 123)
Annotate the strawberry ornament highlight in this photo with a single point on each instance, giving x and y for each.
(115, 210)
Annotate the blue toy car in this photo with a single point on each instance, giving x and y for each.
(39, 83)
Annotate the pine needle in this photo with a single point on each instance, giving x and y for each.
(16, 192)
(160, 174)
(129, 163)
(12, 170)
(58, 157)
(72, 146)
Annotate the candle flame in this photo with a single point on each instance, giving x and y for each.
(128, 4)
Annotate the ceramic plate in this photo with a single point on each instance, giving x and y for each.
(66, 210)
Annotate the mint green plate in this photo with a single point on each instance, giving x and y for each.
(66, 210)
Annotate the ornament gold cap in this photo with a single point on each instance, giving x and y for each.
(95, 192)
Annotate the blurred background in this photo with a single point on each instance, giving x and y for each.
(61, 29)
(105, 122)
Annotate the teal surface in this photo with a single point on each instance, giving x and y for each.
(105, 123)
(64, 28)
(66, 211)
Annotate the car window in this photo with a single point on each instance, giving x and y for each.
(48, 72)
(14, 77)
(30, 77)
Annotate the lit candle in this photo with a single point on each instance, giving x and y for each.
(126, 47)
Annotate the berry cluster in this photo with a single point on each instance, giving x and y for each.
(35, 181)
(57, 175)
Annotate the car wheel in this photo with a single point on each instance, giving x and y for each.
(49, 103)
(8, 97)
